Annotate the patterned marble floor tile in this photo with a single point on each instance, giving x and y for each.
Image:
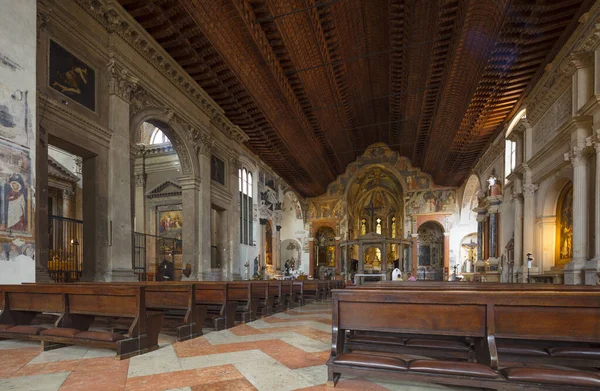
(316, 374)
(11, 360)
(222, 359)
(60, 354)
(16, 344)
(159, 361)
(264, 324)
(181, 389)
(189, 378)
(270, 375)
(97, 374)
(228, 385)
(48, 382)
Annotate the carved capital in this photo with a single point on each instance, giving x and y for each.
(43, 17)
(204, 144)
(120, 82)
(594, 141)
(577, 156)
(529, 190)
(234, 165)
(582, 60)
(140, 179)
(67, 194)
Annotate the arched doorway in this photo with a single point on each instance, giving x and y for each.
(324, 252)
(159, 220)
(430, 251)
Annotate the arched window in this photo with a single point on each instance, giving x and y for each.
(363, 227)
(393, 226)
(158, 137)
(378, 226)
(245, 185)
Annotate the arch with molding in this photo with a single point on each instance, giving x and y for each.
(160, 118)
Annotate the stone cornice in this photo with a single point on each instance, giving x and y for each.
(48, 105)
(115, 19)
(586, 38)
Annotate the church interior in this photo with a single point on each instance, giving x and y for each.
(300, 195)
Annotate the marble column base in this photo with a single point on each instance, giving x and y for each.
(215, 275)
(591, 269)
(574, 273)
(120, 275)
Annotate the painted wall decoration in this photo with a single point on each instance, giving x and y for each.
(435, 201)
(170, 223)
(217, 170)
(71, 76)
(564, 226)
(16, 210)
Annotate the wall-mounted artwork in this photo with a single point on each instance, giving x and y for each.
(564, 227)
(170, 223)
(71, 77)
(435, 201)
(217, 170)
(15, 198)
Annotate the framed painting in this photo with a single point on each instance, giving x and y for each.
(71, 77)
(170, 223)
(217, 170)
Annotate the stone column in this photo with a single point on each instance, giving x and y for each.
(191, 234)
(573, 269)
(592, 267)
(529, 190)
(277, 247)
(140, 202)
(446, 255)
(67, 203)
(311, 256)
(518, 227)
(262, 235)
(415, 254)
(236, 263)
(480, 220)
(493, 242)
(338, 254)
(204, 148)
(120, 216)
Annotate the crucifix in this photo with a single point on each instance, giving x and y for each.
(371, 211)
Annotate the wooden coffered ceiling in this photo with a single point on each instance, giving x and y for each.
(313, 83)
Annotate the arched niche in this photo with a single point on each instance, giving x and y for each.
(549, 224)
(430, 247)
(324, 249)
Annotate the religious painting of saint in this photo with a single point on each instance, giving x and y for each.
(564, 226)
(15, 205)
(170, 223)
(71, 77)
(217, 170)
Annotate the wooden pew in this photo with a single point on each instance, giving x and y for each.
(241, 292)
(78, 306)
(312, 290)
(220, 308)
(481, 315)
(264, 296)
(166, 297)
(298, 292)
(287, 289)
(279, 300)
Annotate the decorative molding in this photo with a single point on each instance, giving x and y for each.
(547, 126)
(158, 191)
(594, 141)
(120, 81)
(68, 194)
(83, 121)
(490, 156)
(115, 20)
(234, 165)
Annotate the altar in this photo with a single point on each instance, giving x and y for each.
(359, 277)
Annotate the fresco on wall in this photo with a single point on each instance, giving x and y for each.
(15, 198)
(564, 226)
(217, 170)
(71, 77)
(436, 201)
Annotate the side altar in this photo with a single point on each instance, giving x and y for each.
(372, 254)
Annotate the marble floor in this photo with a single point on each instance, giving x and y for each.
(283, 352)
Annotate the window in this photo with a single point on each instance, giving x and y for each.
(510, 158)
(245, 185)
(378, 227)
(158, 137)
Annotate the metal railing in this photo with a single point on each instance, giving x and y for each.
(151, 251)
(65, 258)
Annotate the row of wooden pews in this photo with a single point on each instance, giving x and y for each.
(142, 307)
(491, 336)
